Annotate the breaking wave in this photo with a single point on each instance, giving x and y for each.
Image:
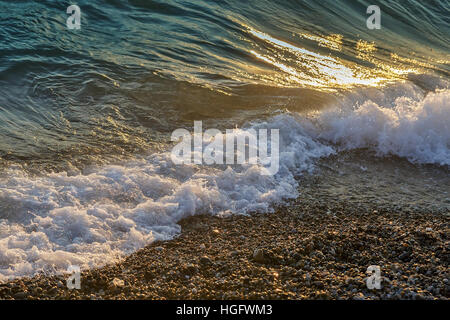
(54, 220)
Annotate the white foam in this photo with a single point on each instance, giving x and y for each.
(414, 127)
(57, 220)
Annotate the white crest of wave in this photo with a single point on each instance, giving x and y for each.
(416, 128)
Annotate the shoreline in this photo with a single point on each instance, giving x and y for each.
(302, 251)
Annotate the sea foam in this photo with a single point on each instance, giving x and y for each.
(51, 221)
(56, 220)
(416, 128)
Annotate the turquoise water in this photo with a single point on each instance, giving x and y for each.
(137, 69)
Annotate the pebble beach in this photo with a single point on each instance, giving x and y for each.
(301, 251)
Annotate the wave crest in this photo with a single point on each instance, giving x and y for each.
(418, 130)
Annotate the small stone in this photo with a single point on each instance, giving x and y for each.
(20, 295)
(53, 290)
(234, 253)
(117, 283)
(308, 278)
(205, 260)
(191, 269)
(148, 275)
(37, 291)
(318, 284)
(202, 247)
(194, 291)
(419, 297)
(259, 256)
(159, 249)
(358, 296)
(404, 256)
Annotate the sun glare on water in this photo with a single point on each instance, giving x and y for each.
(302, 67)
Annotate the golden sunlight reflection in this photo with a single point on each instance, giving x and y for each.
(333, 41)
(396, 57)
(311, 69)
